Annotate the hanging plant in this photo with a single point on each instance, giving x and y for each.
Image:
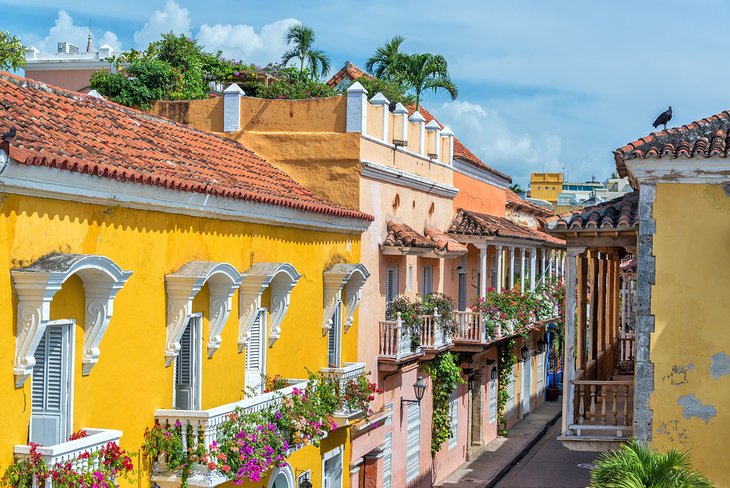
(445, 378)
(506, 359)
(410, 311)
(444, 306)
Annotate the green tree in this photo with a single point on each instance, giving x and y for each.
(12, 52)
(423, 72)
(516, 188)
(382, 62)
(393, 91)
(302, 39)
(635, 465)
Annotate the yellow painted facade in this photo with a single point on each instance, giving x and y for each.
(131, 380)
(546, 186)
(690, 344)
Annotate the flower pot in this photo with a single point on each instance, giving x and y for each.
(552, 394)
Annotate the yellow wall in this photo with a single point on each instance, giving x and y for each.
(691, 305)
(546, 186)
(131, 380)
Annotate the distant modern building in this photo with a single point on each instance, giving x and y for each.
(68, 68)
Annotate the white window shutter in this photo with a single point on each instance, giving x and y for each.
(511, 392)
(391, 284)
(388, 460)
(186, 367)
(255, 351)
(540, 374)
(454, 414)
(50, 387)
(492, 401)
(413, 442)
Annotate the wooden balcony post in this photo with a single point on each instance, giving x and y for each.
(500, 268)
(581, 311)
(533, 267)
(569, 349)
(511, 267)
(601, 299)
(593, 316)
(522, 270)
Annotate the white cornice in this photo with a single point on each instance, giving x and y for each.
(681, 170)
(44, 182)
(397, 177)
(480, 174)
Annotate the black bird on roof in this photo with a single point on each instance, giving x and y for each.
(663, 118)
(9, 134)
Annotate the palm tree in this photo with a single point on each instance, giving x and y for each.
(303, 39)
(637, 466)
(381, 63)
(423, 72)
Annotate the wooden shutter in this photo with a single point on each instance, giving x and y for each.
(186, 368)
(511, 392)
(492, 400)
(388, 460)
(540, 373)
(255, 354)
(454, 414)
(391, 284)
(427, 285)
(333, 339)
(413, 442)
(51, 386)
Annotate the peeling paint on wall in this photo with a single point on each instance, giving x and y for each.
(692, 407)
(671, 429)
(720, 365)
(678, 376)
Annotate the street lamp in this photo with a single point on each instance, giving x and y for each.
(419, 388)
(524, 352)
(305, 483)
(494, 374)
(473, 382)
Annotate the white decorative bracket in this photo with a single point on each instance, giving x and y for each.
(37, 284)
(350, 277)
(182, 287)
(281, 277)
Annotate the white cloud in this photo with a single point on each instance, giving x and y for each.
(172, 18)
(241, 41)
(65, 30)
(487, 135)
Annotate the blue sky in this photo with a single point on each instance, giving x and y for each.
(543, 85)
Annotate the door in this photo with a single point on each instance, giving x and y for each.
(427, 283)
(187, 367)
(256, 355)
(413, 442)
(333, 338)
(333, 471)
(462, 291)
(51, 395)
(526, 385)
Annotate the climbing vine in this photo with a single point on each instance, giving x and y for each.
(445, 378)
(506, 359)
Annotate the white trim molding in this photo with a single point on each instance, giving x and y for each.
(480, 174)
(182, 287)
(710, 171)
(387, 174)
(351, 278)
(37, 284)
(281, 277)
(39, 181)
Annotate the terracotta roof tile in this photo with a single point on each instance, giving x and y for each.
(444, 241)
(704, 138)
(349, 72)
(471, 223)
(402, 235)
(618, 214)
(514, 201)
(460, 150)
(74, 132)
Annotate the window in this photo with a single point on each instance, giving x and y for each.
(410, 277)
(334, 337)
(427, 284)
(256, 354)
(413, 442)
(391, 284)
(454, 414)
(332, 469)
(540, 373)
(51, 395)
(388, 460)
(492, 401)
(461, 305)
(187, 366)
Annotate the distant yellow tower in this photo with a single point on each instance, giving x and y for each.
(546, 186)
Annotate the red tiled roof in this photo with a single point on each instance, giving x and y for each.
(704, 138)
(443, 241)
(402, 235)
(460, 150)
(82, 134)
(471, 223)
(618, 214)
(350, 72)
(514, 201)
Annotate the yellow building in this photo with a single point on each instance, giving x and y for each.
(667, 381)
(153, 274)
(546, 186)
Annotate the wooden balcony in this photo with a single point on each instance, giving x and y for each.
(71, 451)
(432, 337)
(398, 347)
(472, 334)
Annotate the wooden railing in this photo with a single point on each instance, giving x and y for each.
(627, 348)
(432, 335)
(469, 326)
(603, 408)
(395, 339)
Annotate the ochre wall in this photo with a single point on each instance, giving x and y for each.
(131, 380)
(478, 196)
(546, 186)
(691, 305)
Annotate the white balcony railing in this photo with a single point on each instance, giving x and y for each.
(342, 376)
(396, 341)
(469, 326)
(432, 335)
(204, 424)
(70, 451)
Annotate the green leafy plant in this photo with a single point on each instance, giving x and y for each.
(291, 85)
(275, 382)
(409, 311)
(12, 52)
(506, 359)
(167, 441)
(635, 465)
(445, 378)
(359, 393)
(444, 306)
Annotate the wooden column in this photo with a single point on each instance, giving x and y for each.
(511, 267)
(616, 299)
(610, 292)
(569, 350)
(533, 266)
(593, 317)
(601, 298)
(581, 310)
(522, 270)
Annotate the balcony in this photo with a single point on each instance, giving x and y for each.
(432, 337)
(398, 346)
(208, 421)
(343, 415)
(71, 451)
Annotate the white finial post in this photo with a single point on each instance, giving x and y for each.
(434, 127)
(417, 118)
(447, 133)
(401, 110)
(357, 109)
(232, 108)
(380, 100)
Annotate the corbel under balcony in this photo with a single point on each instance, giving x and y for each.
(351, 278)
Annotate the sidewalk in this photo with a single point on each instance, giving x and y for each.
(504, 452)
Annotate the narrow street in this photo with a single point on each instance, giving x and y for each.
(550, 465)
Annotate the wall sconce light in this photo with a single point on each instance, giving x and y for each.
(494, 374)
(524, 352)
(419, 388)
(305, 483)
(473, 382)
